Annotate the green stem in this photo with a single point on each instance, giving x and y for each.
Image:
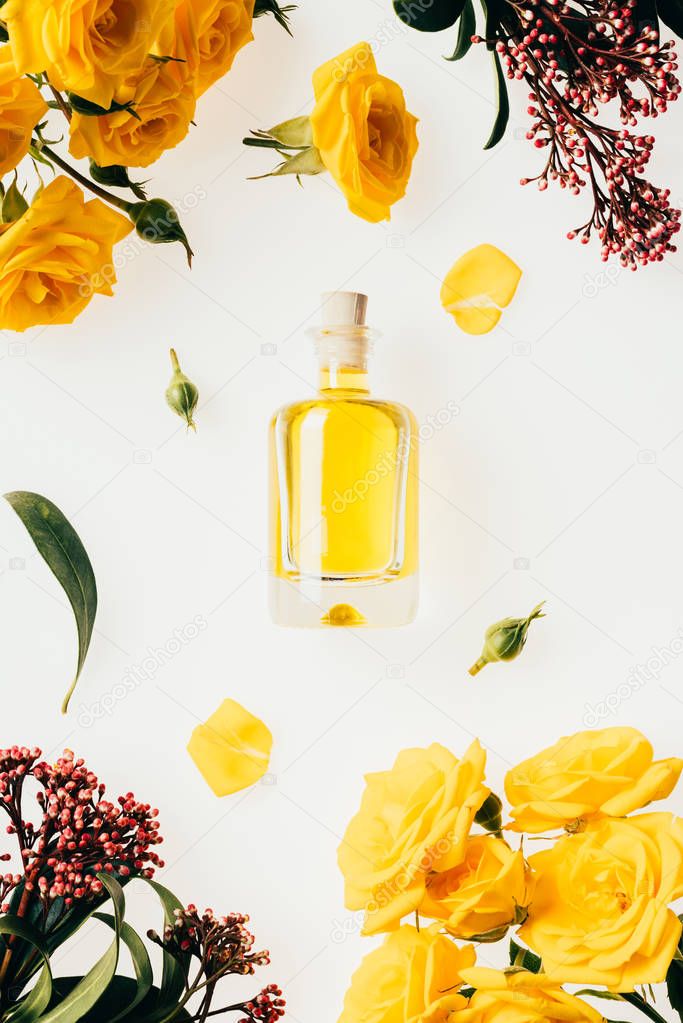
(115, 200)
(174, 361)
(478, 665)
(635, 999)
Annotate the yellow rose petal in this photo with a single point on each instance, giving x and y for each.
(478, 286)
(232, 749)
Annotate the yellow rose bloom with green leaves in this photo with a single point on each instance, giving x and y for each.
(164, 105)
(86, 46)
(520, 997)
(56, 256)
(363, 132)
(21, 108)
(601, 907)
(485, 894)
(413, 977)
(413, 819)
(207, 35)
(584, 777)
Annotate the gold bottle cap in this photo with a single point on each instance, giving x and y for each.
(344, 308)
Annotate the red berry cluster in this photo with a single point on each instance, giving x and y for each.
(80, 834)
(576, 56)
(223, 944)
(267, 1007)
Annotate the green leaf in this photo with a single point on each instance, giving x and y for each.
(281, 14)
(141, 963)
(466, 29)
(90, 988)
(59, 544)
(30, 1008)
(14, 205)
(524, 958)
(609, 996)
(174, 972)
(671, 13)
(433, 17)
(502, 103)
(674, 986)
(85, 108)
(119, 994)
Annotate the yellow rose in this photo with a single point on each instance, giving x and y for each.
(164, 107)
(86, 46)
(412, 978)
(600, 912)
(207, 35)
(485, 894)
(587, 776)
(57, 256)
(412, 820)
(363, 132)
(520, 997)
(21, 107)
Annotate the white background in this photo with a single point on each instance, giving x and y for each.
(567, 453)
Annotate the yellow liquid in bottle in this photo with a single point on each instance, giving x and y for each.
(344, 502)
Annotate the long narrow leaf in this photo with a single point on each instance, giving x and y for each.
(432, 17)
(59, 544)
(502, 104)
(671, 13)
(173, 975)
(466, 29)
(38, 999)
(89, 989)
(141, 964)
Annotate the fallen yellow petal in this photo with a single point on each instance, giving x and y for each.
(232, 749)
(478, 286)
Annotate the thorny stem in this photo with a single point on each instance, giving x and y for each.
(121, 204)
(60, 101)
(648, 1010)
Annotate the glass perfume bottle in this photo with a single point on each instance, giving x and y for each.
(344, 490)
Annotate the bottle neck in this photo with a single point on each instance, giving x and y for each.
(343, 354)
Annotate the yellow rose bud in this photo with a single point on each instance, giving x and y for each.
(365, 136)
(207, 35)
(86, 48)
(601, 908)
(21, 108)
(159, 105)
(57, 256)
(487, 893)
(413, 977)
(605, 773)
(521, 997)
(413, 819)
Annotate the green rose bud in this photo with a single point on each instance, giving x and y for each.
(181, 394)
(504, 640)
(157, 222)
(116, 176)
(489, 815)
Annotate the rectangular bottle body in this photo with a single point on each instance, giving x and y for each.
(343, 512)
